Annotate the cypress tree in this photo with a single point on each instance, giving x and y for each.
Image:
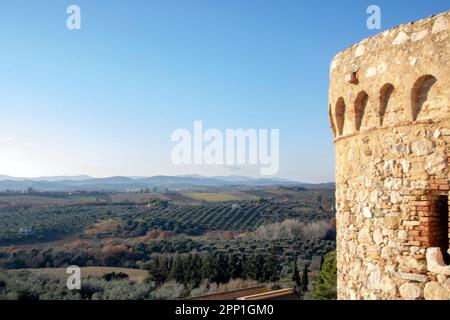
(245, 267)
(326, 287)
(271, 269)
(196, 271)
(236, 267)
(259, 262)
(188, 269)
(321, 262)
(177, 270)
(209, 268)
(222, 270)
(296, 275)
(305, 280)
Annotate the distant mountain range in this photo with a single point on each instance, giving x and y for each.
(55, 178)
(120, 183)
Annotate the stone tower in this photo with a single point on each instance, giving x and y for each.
(389, 109)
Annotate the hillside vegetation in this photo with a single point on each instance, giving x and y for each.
(166, 245)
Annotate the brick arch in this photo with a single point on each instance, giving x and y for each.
(360, 107)
(419, 93)
(430, 227)
(340, 115)
(385, 96)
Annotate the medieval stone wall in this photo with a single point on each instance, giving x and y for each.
(389, 109)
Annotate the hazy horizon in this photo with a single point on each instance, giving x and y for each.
(180, 175)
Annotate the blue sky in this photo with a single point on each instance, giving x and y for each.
(105, 99)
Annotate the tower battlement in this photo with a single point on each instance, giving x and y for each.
(389, 111)
(383, 81)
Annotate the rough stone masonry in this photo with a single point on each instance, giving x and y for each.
(389, 109)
